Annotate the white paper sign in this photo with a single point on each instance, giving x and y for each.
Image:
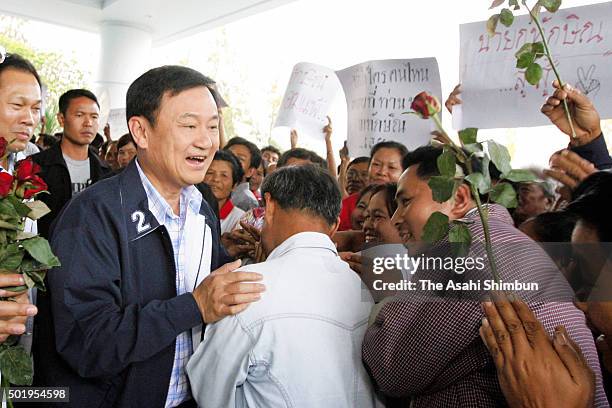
(118, 123)
(307, 101)
(378, 92)
(495, 93)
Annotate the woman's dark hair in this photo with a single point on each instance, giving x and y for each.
(303, 154)
(237, 171)
(367, 190)
(124, 140)
(402, 150)
(390, 189)
(272, 149)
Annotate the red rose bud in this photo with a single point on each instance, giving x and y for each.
(3, 144)
(34, 186)
(425, 105)
(6, 182)
(26, 169)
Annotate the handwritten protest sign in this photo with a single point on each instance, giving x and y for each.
(378, 92)
(495, 93)
(117, 122)
(308, 98)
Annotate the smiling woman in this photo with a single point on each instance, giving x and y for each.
(224, 173)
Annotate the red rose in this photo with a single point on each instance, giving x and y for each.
(34, 186)
(3, 144)
(26, 169)
(425, 105)
(6, 182)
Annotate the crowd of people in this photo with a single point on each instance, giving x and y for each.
(199, 269)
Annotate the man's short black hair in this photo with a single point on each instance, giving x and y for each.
(389, 145)
(253, 149)
(237, 171)
(303, 154)
(124, 140)
(427, 159)
(272, 149)
(592, 203)
(64, 100)
(306, 188)
(145, 94)
(18, 63)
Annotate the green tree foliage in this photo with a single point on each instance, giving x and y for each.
(57, 72)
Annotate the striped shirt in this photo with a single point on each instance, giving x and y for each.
(428, 350)
(189, 207)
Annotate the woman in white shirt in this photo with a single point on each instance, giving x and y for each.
(224, 173)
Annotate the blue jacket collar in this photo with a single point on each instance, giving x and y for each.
(139, 220)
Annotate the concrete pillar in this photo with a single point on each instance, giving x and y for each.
(125, 54)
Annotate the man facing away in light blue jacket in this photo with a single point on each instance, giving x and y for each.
(300, 345)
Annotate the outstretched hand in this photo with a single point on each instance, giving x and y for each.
(585, 117)
(532, 370)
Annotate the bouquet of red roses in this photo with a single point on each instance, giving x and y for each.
(21, 252)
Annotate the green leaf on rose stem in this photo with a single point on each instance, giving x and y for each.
(21, 235)
(9, 225)
(534, 72)
(441, 188)
(39, 279)
(551, 5)
(504, 194)
(525, 60)
(496, 3)
(514, 3)
(28, 281)
(447, 163)
(536, 9)
(435, 228)
(21, 208)
(506, 17)
(468, 135)
(499, 156)
(520, 175)
(11, 256)
(537, 49)
(30, 264)
(38, 209)
(525, 49)
(473, 147)
(485, 171)
(40, 250)
(479, 182)
(460, 238)
(492, 24)
(16, 365)
(8, 212)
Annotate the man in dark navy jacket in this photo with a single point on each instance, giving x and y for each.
(129, 302)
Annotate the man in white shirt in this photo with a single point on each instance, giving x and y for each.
(300, 345)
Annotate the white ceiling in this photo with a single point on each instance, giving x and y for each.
(167, 20)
